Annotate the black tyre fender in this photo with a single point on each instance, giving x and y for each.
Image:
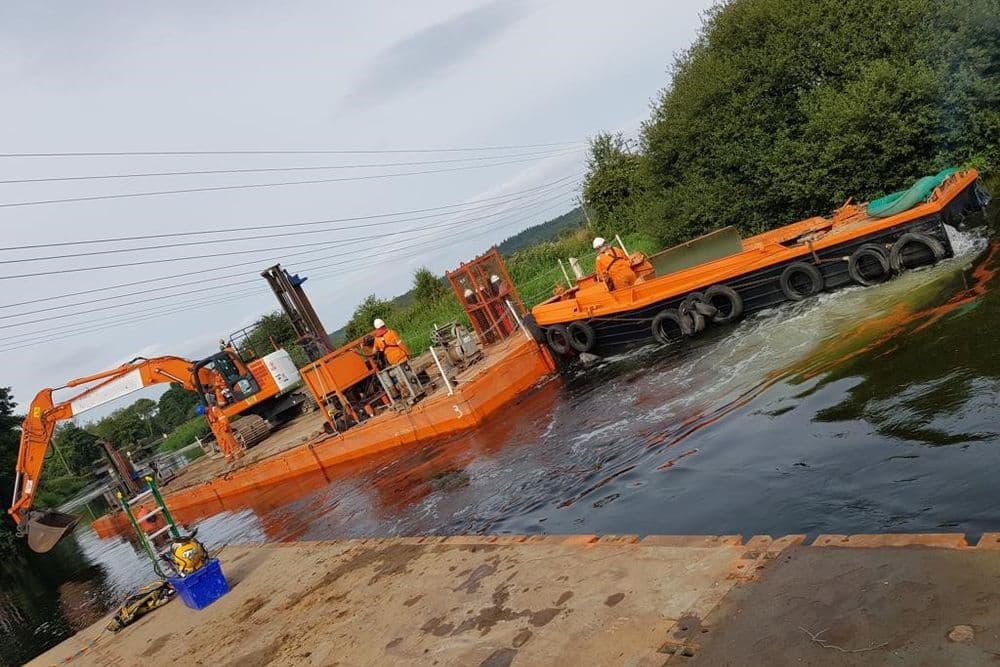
(727, 302)
(873, 252)
(898, 262)
(670, 326)
(691, 319)
(558, 338)
(696, 301)
(532, 326)
(581, 336)
(795, 271)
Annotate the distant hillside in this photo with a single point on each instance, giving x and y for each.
(545, 231)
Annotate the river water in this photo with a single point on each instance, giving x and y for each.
(865, 410)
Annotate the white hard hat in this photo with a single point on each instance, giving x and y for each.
(598, 242)
(378, 323)
(468, 292)
(494, 278)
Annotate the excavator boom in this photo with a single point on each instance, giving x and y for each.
(44, 529)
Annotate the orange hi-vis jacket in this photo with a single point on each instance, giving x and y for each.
(613, 267)
(388, 341)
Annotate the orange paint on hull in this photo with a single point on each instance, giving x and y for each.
(512, 372)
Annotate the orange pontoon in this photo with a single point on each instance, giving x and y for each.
(367, 409)
(718, 278)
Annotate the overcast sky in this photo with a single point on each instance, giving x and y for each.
(224, 76)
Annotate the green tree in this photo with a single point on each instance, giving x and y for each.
(77, 447)
(272, 331)
(781, 110)
(122, 427)
(145, 409)
(365, 314)
(10, 439)
(427, 288)
(176, 406)
(615, 183)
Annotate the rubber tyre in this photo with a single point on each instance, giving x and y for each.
(869, 252)
(581, 336)
(696, 302)
(691, 318)
(669, 326)
(532, 326)
(558, 339)
(933, 249)
(727, 302)
(791, 283)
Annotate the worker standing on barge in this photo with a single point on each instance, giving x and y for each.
(390, 344)
(612, 266)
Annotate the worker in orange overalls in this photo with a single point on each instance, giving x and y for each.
(390, 344)
(613, 266)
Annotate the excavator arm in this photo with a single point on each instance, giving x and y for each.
(44, 529)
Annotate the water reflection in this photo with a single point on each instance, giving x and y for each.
(931, 369)
(47, 597)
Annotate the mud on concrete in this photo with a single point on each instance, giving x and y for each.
(580, 600)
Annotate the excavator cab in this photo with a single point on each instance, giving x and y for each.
(239, 383)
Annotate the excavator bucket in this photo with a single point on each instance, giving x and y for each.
(45, 529)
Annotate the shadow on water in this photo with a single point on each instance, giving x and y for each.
(865, 410)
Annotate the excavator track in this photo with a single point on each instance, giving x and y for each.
(250, 430)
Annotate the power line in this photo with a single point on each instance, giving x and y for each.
(154, 261)
(378, 151)
(182, 244)
(152, 290)
(449, 225)
(205, 172)
(104, 325)
(226, 230)
(146, 281)
(156, 193)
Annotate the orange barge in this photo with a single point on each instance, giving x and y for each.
(366, 409)
(718, 278)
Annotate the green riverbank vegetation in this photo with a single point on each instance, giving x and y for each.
(783, 109)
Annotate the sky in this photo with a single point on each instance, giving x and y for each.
(525, 83)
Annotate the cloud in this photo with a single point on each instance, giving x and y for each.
(427, 53)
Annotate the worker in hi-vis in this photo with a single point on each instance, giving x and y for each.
(613, 266)
(390, 344)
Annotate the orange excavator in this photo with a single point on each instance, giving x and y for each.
(226, 386)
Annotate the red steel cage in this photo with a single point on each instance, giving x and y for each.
(488, 295)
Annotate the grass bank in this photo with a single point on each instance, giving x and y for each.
(185, 434)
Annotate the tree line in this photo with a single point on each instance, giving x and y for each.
(784, 109)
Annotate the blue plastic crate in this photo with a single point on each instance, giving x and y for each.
(202, 587)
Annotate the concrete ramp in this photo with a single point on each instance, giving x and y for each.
(581, 600)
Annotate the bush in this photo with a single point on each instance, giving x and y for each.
(782, 110)
(54, 491)
(185, 434)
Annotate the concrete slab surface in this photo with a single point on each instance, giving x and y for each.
(918, 605)
(580, 600)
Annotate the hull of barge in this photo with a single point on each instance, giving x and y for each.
(623, 318)
(508, 371)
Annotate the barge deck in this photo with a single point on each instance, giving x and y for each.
(581, 600)
(301, 449)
